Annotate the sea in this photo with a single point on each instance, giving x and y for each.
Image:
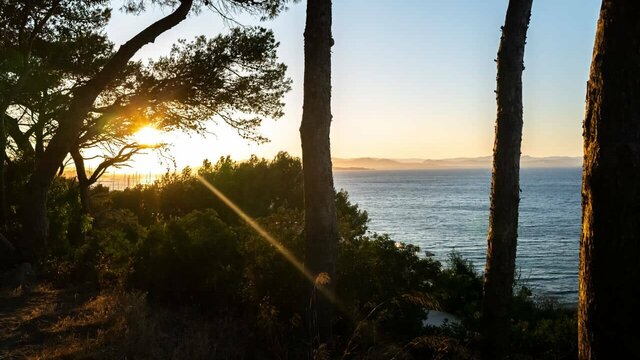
(443, 211)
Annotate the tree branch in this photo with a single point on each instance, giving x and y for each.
(13, 130)
(131, 47)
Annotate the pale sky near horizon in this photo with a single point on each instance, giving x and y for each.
(411, 79)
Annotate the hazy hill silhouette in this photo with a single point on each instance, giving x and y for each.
(483, 162)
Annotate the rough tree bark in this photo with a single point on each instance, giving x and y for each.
(608, 309)
(321, 230)
(34, 207)
(505, 182)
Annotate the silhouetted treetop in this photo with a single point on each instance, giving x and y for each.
(267, 9)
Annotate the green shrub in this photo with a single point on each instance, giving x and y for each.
(460, 289)
(194, 260)
(179, 243)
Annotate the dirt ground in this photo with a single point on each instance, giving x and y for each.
(43, 322)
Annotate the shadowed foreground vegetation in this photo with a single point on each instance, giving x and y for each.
(169, 271)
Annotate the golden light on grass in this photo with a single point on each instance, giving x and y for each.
(319, 282)
(148, 136)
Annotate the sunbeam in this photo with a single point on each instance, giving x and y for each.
(318, 282)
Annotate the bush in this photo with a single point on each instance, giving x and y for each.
(184, 247)
(460, 289)
(194, 259)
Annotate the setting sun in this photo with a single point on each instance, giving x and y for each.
(148, 135)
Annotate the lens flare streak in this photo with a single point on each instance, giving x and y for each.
(290, 257)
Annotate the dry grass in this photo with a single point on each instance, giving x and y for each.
(48, 323)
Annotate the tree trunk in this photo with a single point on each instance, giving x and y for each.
(608, 309)
(85, 200)
(3, 173)
(83, 182)
(76, 231)
(505, 182)
(321, 230)
(35, 223)
(34, 208)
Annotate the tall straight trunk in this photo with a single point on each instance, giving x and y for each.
(505, 181)
(321, 230)
(608, 309)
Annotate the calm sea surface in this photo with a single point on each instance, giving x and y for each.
(446, 210)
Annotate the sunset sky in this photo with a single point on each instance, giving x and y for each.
(411, 79)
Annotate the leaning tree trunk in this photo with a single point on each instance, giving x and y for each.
(321, 230)
(33, 209)
(608, 310)
(76, 231)
(83, 181)
(34, 206)
(505, 182)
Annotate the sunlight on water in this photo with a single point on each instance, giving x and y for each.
(446, 210)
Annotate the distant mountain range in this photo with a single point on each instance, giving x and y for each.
(483, 162)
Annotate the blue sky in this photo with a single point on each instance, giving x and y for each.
(413, 78)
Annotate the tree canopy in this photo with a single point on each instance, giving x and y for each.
(234, 78)
(66, 88)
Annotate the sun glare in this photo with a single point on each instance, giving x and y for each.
(148, 135)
